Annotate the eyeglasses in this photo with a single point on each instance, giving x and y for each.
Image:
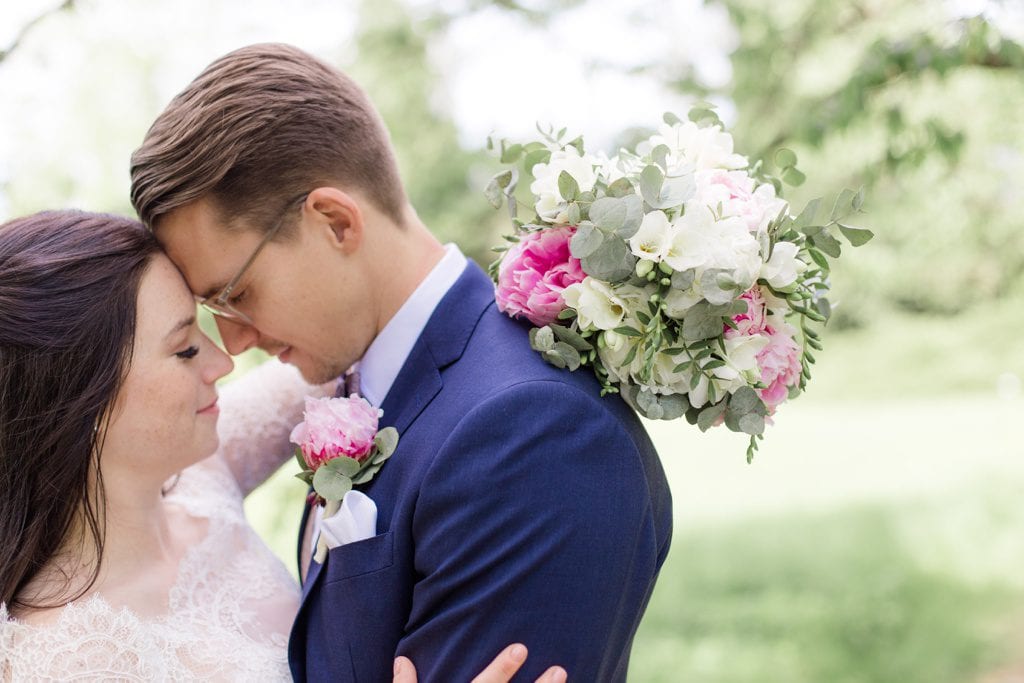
(219, 303)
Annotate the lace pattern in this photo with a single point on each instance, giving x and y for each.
(230, 610)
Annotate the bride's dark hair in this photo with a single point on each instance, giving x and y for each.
(68, 287)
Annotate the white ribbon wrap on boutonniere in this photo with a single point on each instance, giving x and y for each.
(339, 446)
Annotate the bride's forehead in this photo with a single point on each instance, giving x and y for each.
(163, 293)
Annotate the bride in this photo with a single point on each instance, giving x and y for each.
(124, 550)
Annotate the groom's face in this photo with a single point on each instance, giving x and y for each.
(304, 296)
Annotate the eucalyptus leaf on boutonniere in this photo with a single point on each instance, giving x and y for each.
(339, 446)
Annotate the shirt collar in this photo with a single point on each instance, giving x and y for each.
(387, 354)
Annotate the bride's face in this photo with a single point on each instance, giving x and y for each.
(165, 416)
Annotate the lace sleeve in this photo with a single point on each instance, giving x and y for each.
(258, 412)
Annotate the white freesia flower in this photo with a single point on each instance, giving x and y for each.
(550, 202)
(653, 239)
(741, 357)
(613, 340)
(701, 242)
(689, 144)
(783, 268)
(597, 305)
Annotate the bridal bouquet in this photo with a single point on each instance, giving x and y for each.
(674, 271)
(338, 446)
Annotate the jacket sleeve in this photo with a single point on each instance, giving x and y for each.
(534, 524)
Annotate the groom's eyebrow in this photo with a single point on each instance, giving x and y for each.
(182, 324)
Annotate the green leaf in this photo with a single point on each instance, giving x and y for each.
(367, 474)
(621, 188)
(330, 484)
(342, 465)
(701, 322)
(828, 244)
(586, 241)
(785, 158)
(659, 155)
(808, 215)
(542, 339)
(567, 186)
(611, 262)
(671, 119)
(793, 177)
(511, 154)
(858, 200)
(628, 331)
(536, 156)
(651, 179)
(495, 188)
(608, 213)
(300, 459)
(708, 416)
(634, 216)
(819, 259)
(305, 476)
(574, 213)
(844, 205)
(561, 355)
(386, 440)
(752, 424)
(856, 236)
(683, 279)
(572, 338)
(745, 400)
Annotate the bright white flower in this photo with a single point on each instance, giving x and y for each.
(688, 144)
(783, 267)
(653, 239)
(741, 357)
(550, 202)
(613, 340)
(597, 305)
(701, 242)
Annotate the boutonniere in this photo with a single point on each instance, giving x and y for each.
(339, 446)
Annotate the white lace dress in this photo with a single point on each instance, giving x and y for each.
(231, 607)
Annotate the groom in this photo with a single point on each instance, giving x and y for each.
(519, 505)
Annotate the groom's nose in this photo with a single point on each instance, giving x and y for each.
(237, 337)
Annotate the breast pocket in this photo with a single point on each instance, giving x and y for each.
(359, 558)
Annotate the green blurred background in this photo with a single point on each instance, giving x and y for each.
(879, 534)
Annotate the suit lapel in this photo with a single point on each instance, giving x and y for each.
(442, 342)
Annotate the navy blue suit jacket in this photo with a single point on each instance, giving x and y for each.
(518, 506)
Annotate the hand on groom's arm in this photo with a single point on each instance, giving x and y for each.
(533, 524)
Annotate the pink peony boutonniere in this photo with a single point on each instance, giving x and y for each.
(339, 446)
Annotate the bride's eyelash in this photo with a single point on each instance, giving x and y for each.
(188, 353)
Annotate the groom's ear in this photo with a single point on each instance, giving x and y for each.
(337, 216)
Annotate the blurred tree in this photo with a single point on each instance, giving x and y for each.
(919, 107)
(394, 65)
(4, 53)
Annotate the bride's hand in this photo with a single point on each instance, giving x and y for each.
(501, 669)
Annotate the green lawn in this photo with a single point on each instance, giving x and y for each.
(877, 537)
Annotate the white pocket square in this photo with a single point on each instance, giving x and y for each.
(355, 520)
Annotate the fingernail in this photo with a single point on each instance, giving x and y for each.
(558, 676)
(518, 652)
(398, 666)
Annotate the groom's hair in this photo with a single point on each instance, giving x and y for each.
(258, 127)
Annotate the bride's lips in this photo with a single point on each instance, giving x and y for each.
(211, 409)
